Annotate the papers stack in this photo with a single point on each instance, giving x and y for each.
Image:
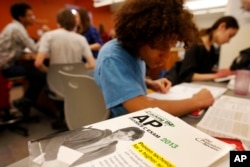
(229, 117)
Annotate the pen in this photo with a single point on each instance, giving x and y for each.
(163, 83)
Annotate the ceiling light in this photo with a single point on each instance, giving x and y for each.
(99, 3)
(205, 4)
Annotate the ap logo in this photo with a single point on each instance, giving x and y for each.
(239, 158)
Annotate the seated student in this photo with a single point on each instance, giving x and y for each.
(13, 40)
(63, 46)
(120, 69)
(200, 62)
(85, 28)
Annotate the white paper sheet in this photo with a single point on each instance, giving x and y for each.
(187, 90)
(68, 155)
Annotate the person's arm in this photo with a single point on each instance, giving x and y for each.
(200, 100)
(43, 53)
(224, 73)
(39, 62)
(26, 40)
(90, 62)
(95, 46)
(210, 76)
(203, 77)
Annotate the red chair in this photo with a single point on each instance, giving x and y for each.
(7, 120)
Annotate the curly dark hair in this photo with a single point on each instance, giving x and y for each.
(19, 9)
(154, 23)
(66, 19)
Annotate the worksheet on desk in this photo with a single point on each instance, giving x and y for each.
(229, 117)
(187, 90)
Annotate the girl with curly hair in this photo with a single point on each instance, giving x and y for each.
(145, 32)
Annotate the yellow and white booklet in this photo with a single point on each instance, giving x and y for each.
(146, 138)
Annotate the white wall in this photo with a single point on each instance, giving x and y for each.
(234, 7)
(231, 50)
(242, 39)
(206, 20)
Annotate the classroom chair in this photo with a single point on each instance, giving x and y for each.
(84, 101)
(56, 89)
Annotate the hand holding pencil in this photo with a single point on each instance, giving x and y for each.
(161, 85)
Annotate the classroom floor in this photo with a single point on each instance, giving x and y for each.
(14, 145)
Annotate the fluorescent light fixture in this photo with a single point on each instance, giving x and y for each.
(191, 5)
(209, 11)
(200, 12)
(100, 3)
(217, 10)
(205, 4)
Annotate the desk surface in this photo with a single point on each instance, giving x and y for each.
(192, 121)
(21, 163)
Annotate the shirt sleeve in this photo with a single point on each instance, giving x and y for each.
(119, 81)
(44, 44)
(189, 64)
(26, 40)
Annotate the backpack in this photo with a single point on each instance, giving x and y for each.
(242, 61)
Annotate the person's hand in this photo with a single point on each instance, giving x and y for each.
(28, 56)
(223, 73)
(160, 85)
(203, 98)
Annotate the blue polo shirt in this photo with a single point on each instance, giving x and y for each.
(120, 75)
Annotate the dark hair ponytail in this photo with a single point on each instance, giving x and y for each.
(230, 22)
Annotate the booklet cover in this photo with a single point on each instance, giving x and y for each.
(146, 138)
